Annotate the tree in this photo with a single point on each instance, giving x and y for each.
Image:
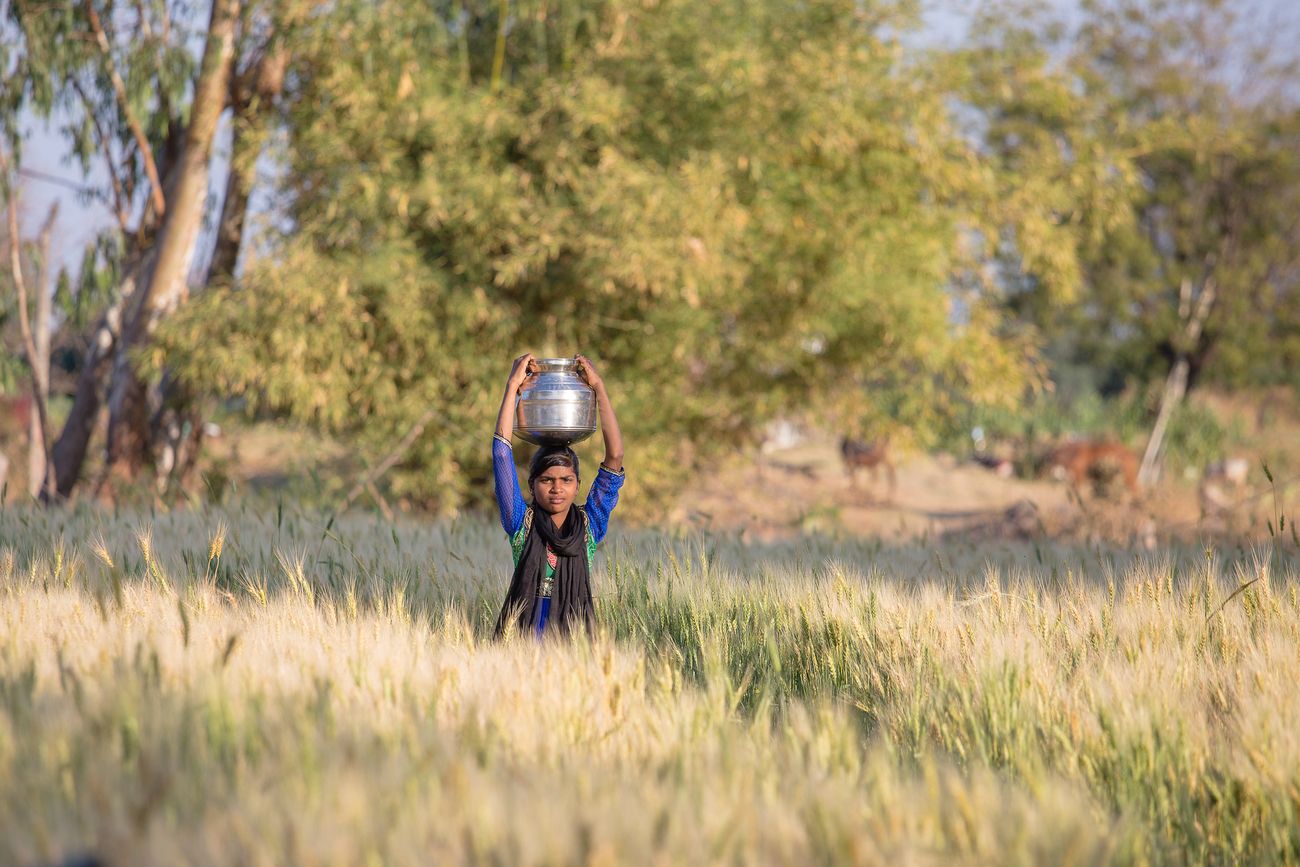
(121, 79)
(737, 207)
(1216, 224)
(139, 108)
(1182, 146)
(164, 285)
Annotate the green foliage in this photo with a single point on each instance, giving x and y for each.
(1196, 436)
(1050, 417)
(13, 374)
(56, 71)
(59, 69)
(1177, 145)
(738, 209)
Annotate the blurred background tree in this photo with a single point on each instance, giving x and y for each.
(741, 210)
(138, 92)
(1177, 128)
(744, 211)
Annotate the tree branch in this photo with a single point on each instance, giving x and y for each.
(142, 20)
(119, 195)
(24, 323)
(499, 54)
(367, 483)
(39, 461)
(119, 87)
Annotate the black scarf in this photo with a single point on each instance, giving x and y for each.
(570, 591)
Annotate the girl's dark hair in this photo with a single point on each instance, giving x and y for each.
(552, 456)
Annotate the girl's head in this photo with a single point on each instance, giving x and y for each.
(553, 478)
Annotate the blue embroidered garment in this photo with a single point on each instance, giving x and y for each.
(601, 500)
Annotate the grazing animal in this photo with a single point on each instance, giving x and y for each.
(1098, 462)
(872, 456)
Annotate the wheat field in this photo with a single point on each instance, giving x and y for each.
(271, 687)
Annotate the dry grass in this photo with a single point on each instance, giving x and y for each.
(254, 688)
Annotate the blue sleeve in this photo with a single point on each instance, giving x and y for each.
(510, 500)
(601, 500)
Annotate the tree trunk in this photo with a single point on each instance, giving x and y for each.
(175, 425)
(252, 98)
(128, 430)
(177, 435)
(38, 436)
(234, 208)
(1176, 383)
(180, 230)
(24, 322)
(126, 449)
(176, 422)
(69, 451)
(1175, 391)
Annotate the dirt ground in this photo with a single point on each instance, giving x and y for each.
(806, 488)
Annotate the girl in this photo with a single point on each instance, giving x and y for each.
(553, 541)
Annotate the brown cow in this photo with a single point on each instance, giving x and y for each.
(1093, 461)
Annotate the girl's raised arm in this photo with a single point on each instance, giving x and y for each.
(608, 421)
(510, 500)
(524, 367)
(603, 496)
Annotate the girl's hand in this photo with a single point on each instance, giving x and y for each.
(588, 372)
(523, 368)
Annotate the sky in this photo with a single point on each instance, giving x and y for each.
(50, 176)
(45, 155)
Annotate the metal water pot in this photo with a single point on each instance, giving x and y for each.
(555, 406)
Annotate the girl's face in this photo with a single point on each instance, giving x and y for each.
(554, 489)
